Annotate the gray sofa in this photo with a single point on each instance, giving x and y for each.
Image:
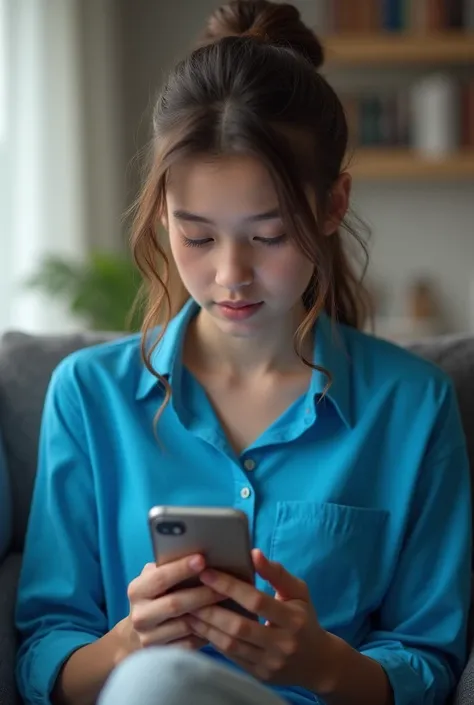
(26, 363)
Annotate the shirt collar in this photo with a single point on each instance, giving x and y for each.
(330, 354)
(166, 357)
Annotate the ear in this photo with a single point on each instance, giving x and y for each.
(338, 203)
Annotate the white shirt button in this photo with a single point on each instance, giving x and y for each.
(245, 492)
(250, 464)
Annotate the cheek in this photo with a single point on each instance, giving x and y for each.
(289, 272)
(191, 262)
(184, 257)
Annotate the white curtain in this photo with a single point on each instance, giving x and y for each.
(59, 148)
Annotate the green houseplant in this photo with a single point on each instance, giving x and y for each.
(101, 291)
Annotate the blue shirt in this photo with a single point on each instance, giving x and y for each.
(363, 493)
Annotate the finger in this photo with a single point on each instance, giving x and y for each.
(250, 598)
(147, 614)
(156, 580)
(167, 633)
(265, 670)
(193, 643)
(287, 585)
(226, 644)
(244, 629)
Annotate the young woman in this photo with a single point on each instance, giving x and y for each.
(259, 392)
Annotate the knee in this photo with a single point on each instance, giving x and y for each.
(154, 676)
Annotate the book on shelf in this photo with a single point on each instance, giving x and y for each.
(467, 114)
(378, 120)
(397, 118)
(436, 115)
(372, 16)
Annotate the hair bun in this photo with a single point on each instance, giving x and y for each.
(265, 21)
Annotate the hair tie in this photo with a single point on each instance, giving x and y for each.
(258, 34)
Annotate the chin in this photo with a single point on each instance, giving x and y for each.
(237, 329)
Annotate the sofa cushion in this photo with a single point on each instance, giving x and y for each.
(5, 503)
(27, 361)
(9, 575)
(455, 354)
(26, 364)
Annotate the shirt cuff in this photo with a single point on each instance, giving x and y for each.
(38, 677)
(409, 677)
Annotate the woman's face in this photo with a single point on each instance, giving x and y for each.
(230, 247)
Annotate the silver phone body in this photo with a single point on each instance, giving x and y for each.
(220, 535)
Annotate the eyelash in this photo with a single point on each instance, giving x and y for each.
(270, 241)
(195, 243)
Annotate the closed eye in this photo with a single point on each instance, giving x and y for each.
(272, 241)
(200, 242)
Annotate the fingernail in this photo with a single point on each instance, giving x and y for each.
(196, 563)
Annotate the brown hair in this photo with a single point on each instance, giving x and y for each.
(252, 86)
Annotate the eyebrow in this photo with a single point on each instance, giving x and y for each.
(193, 218)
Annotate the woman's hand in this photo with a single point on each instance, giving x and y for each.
(158, 616)
(290, 648)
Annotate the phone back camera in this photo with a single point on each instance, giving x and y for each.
(171, 528)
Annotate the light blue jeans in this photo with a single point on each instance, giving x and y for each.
(173, 676)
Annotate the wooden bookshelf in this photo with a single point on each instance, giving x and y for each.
(407, 48)
(375, 164)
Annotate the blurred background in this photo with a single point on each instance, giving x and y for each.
(77, 83)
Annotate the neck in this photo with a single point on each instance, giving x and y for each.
(271, 352)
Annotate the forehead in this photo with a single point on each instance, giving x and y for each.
(204, 184)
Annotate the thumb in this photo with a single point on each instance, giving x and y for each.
(287, 586)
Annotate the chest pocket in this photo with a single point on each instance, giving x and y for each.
(337, 550)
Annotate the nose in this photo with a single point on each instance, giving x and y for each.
(234, 268)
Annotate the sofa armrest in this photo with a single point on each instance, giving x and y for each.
(9, 573)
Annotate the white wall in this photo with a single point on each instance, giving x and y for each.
(422, 229)
(155, 34)
(102, 114)
(418, 228)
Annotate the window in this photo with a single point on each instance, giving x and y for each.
(5, 195)
(3, 73)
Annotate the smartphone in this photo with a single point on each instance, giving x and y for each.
(221, 535)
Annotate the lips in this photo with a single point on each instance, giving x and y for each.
(238, 304)
(238, 310)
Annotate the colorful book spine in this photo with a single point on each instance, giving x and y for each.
(435, 15)
(392, 15)
(426, 16)
(454, 11)
(377, 120)
(435, 116)
(417, 15)
(467, 115)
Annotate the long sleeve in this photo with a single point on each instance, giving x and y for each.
(60, 599)
(420, 634)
